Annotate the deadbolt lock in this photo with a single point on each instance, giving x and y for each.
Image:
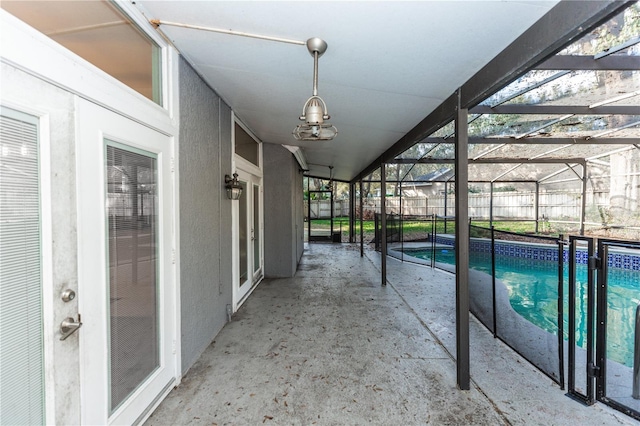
(68, 295)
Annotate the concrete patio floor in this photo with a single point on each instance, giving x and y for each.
(332, 346)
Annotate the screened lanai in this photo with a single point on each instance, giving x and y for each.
(570, 125)
(222, 70)
(561, 139)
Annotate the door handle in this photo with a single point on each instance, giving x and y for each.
(68, 326)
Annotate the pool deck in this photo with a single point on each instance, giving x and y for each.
(332, 346)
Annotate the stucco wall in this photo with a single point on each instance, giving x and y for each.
(205, 214)
(282, 212)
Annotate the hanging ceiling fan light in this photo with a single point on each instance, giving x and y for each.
(314, 111)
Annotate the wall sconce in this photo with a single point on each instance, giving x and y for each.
(234, 189)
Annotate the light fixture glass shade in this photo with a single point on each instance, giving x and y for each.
(315, 132)
(234, 189)
(234, 193)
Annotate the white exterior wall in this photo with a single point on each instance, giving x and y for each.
(55, 107)
(43, 79)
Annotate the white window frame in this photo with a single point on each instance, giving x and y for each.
(240, 162)
(41, 57)
(59, 66)
(237, 162)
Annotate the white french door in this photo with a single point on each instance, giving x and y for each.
(249, 237)
(126, 274)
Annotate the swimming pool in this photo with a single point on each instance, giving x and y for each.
(533, 294)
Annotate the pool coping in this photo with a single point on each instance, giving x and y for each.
(620, 258)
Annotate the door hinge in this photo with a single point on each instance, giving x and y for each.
(172, 164)
(173, 256)
(595, 263)
(173, 346)
(593, 370)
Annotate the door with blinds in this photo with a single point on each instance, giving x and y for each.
(126, 271)
(22, 385)
(249, 236)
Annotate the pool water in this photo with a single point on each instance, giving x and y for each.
(533, 293)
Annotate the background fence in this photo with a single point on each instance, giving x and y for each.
(558, 211)
(321, 209)
(513, 205)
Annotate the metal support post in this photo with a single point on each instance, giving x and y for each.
(491, 206)
(636, 357)
(537, 206)
(361, 222)
(592, 315)
(352, 208)
(571, 379)
(383, 222)
(434, 234)
(560, 302)
(332, 206)
(493, 282)
(309, 217)
(445, 207)
(462, 245)
(583, 209)
(401, 221)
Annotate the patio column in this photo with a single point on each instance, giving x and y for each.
(491, 205)
(332, 207)
(583, 207)
(445, 205)
(361, 222)
(309, 211)
(537, 206)
(383, 222)
(352, 209)
(462, 245)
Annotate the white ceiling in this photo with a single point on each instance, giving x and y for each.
(387, 66)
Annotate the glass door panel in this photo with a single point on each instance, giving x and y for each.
(125, 266)
(255, 230)
(22, 372)
(243, 234)
(249, 236)
(132, 273)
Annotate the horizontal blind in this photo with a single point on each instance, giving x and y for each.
(132, 200)
(21, 334)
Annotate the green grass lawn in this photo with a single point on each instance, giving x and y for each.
(425, 226)
(422, 226)
(528, 227)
